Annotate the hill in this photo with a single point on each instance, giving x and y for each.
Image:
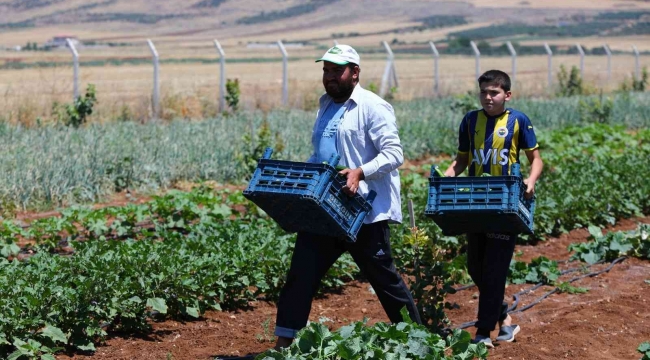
(300, 20)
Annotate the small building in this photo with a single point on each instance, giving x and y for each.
(60, 41)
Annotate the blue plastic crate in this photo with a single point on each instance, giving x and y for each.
(307, 197)
(480, 204)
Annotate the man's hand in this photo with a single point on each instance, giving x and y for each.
(353, 178)
(530, 188)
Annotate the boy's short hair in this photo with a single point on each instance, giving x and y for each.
(495, 77)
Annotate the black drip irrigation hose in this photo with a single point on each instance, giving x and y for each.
(512, 308)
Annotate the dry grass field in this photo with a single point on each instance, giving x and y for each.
(191, 90)
(189, 71)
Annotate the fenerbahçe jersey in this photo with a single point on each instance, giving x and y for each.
(493, 143)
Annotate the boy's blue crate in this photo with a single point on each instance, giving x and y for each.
(307, 197)
(460, 205)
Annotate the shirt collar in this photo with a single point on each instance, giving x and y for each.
(356, 94)
(505, 111)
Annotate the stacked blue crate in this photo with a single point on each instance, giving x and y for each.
(461, 205)
(307, 197)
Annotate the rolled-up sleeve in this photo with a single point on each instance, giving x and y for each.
(382, 131)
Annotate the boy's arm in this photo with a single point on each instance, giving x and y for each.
(462, 156)
(536, 166)
(459, 165)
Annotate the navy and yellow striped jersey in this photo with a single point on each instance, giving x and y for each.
(493, 143)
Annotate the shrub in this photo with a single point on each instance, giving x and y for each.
(463, 104)
(640, 84)
(432, 279)
(570, 84)
(597, 110)
(77, 113)
(255, 145)
(232, 94)
(637, 84)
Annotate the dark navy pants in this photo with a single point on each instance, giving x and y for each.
(314, 255)
(488, 261)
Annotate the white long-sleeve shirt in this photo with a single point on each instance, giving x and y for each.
(367, 137)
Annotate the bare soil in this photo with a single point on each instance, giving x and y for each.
(608, 322)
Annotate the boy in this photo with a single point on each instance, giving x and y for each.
(489, 142)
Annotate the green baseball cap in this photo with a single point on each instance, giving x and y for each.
(341, 55)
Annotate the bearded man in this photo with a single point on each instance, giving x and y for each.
(360, 127)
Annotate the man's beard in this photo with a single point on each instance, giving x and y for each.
(340, 90)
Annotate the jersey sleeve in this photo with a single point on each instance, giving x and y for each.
(527, 138)
(463, 136)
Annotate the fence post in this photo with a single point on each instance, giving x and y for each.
(390, 76)
(285, 74)
(637, 64)
(156, 82)
(478, 58)
(609, 62)
(549, 52)
(222, 76)
(513, 54)
(75, 69)
(582, 60)
(436, 69)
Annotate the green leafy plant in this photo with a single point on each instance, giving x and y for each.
(570, 84)
(431, 279)
(644, 349)
(122, 173)
(392, 92)
(463, 104)
(372, 87)
(642, 83)
(538, 270)
(125, 114)
(565, 287)
(232, 94)
(405, 340)
(597, 110)
(637, 84)
(77, 113)
(254, 147)
(612, 245)
(267, 334)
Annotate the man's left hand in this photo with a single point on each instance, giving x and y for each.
(354, 176)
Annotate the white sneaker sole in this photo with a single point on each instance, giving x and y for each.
(514, 334)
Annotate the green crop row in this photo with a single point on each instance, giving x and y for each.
(50, 166)
(405, 340)
(176, 256)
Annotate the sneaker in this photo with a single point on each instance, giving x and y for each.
(508, 333)
(483, 339)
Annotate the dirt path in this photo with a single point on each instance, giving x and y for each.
(608, 322)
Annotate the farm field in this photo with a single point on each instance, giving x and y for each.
(178, 256)
(126, 235)
(606, 323)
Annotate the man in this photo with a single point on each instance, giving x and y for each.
(360, 127)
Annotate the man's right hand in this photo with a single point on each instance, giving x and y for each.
(354, 176)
